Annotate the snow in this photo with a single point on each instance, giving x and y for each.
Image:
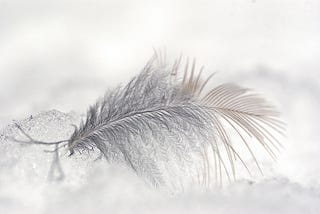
(94, 186)
(64, 54)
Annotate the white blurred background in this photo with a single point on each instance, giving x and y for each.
(63, 54)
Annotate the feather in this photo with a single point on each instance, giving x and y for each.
(165, 124)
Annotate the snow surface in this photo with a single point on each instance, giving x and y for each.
(92, 186)
(64, 54)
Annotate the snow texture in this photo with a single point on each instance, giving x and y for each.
(94, 186)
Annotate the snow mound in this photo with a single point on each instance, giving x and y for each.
(98, 187)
